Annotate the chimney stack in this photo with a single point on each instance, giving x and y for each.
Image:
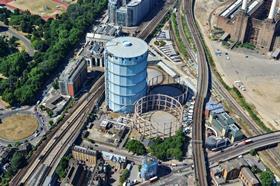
(272, 9)
(244, 5)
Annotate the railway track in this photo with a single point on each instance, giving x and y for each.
(151, 26)
(72, 124)
(272, 155)
(202, 91)
(40, 155)
(53, 162)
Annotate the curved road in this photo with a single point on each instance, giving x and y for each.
(28, 46)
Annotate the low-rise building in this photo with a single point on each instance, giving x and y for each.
(213, 107)
(232, 168)
(84, 155)
(95, 41)
(55, 102)
(74, 175)
(5, 154)
(248, 178)
(217, 176)
(226, 127)
(115, 159)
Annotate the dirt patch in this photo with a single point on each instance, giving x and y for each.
(3, 104)
(17, 127)
(42, 8)
(259, 74)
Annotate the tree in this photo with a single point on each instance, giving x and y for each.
(136, 147)
(6, 47)
(55, 84)
(168, 148)
(267, 178)
(53, 39)
(62, 166)
(124, 176)
(17, 161)
(253, 152)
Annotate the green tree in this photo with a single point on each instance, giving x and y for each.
(267, 178)
(17, 161)
(168, 148)
(62, 167)
(135, 147)
(253, 152)
(6, 47)
(124, 176)
(55, 84)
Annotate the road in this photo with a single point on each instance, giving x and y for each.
(271, 155)
(261, 141)
(20, 36)
(46, 160)
(202, 91)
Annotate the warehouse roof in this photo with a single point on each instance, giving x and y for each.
(127, 47)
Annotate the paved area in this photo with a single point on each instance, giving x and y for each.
(154, 73)
(259, 74)
(261, 79)
(26, 42)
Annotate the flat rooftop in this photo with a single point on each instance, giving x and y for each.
(127, 47)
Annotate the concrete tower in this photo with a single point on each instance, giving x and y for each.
(267, 30)
(241, 23)
(125, 72)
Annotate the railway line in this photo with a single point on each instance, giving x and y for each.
(271, 154)
(45, 159)
(202, 91)
(151, 26)
(57, 144)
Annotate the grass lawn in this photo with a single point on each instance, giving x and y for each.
(17, 127)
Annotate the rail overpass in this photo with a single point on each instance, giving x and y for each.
(258, 142)
(261, 141)
(202, 92)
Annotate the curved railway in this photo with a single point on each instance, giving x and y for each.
(52, 139)
(271, 154)
(69, 129)
(202, 91)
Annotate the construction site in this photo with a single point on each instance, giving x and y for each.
(251, 21)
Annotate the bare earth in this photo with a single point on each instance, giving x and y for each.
(18, 127)
(39, 7)
(259, 74)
